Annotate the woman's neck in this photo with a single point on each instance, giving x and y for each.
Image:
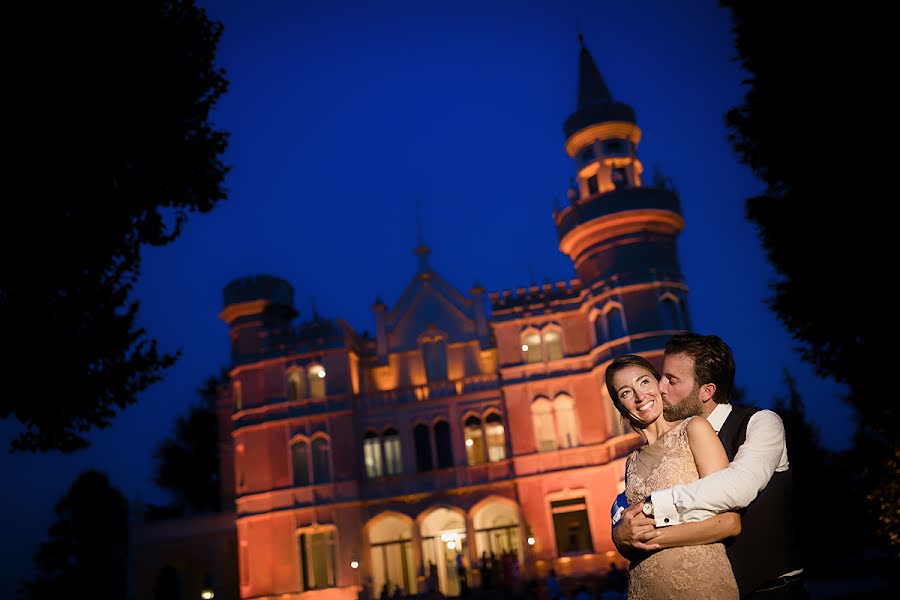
(657, 429)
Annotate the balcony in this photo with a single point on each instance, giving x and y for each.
(437, 480)
(429, 391)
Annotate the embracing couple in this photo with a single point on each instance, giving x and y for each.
(697, 525)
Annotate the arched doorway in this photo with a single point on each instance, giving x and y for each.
(390, 548)
(443, 541)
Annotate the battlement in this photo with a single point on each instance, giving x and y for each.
(259, 287)
(561, 290)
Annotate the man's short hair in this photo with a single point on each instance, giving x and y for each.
(713, 361)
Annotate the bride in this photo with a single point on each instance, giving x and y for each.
(674, 453)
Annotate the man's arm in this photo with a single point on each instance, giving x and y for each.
(734, 487)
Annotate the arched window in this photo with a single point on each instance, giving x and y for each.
(316, 375)
(564, 407)
(614, 323)
(545, 432)
(600, 329)
(474, 441)
(553, 344)
(295, 385)
(670, 314)
(372, 454)
(321, 467)
(392, 459)
(496, 440)
(531, 347)
(422, 440)
(300, 461)
(434, 354)
(239, 465)
(237, 393)
(443, 444)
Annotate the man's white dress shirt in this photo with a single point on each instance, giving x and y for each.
(763, 453)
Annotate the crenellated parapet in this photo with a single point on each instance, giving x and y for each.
(535, 297)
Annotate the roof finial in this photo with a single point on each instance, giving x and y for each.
(422, 251)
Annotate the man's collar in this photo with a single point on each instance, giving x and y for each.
(717, 417)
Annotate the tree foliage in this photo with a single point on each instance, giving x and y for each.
(114, 151)
(187, 462)
(86, 555)
(812, 478)
(818, 126)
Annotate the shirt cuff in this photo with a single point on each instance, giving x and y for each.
(664, 508)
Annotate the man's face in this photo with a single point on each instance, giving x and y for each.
(680, 393)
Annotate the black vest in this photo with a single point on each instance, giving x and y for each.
(764, 549)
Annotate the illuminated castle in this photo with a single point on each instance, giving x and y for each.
(461, 428)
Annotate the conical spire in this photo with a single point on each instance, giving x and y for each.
(591, 87)
(595, 102)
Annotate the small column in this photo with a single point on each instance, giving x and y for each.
(380, 329)
(481, 326)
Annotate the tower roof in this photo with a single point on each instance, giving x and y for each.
(595, 102)
(591, 87)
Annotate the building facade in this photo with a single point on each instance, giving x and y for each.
(471, 424)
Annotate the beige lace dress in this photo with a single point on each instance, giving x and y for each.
(689, 572)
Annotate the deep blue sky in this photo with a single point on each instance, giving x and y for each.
(343, 113)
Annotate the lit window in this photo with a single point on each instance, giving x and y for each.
(531, 347)
(496, 440)
(474, 441)
(553, 344)
(564, 409)
(372, 455)
(238, 395)
(316, 381)
(295, 385)
(545, 432)
(392, 459)
(317, 559)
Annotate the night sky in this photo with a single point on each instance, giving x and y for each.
(345, 115)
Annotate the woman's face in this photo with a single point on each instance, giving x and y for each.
(638, 393)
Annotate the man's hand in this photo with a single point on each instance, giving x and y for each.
(633, 530)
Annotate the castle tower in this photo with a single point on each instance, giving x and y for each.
(620, 234)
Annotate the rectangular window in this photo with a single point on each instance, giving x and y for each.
(435, 355)
(300, 458)
(244, 564)
(317, 559)
(392, 458)
(372, 455)
(587, 155)
(615, 147)
(592, 184)
(570, 523)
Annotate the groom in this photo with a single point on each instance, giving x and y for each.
(698, 375)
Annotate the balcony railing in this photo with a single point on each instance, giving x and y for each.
(436, 389)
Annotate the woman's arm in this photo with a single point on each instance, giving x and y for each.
(709, 456)
(714, 529)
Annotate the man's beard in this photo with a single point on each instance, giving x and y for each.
(689, 407)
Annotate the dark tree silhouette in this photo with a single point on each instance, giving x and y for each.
(812, 478)
(187, 463)
(114, 150)
(818, 125)
(87, 552)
